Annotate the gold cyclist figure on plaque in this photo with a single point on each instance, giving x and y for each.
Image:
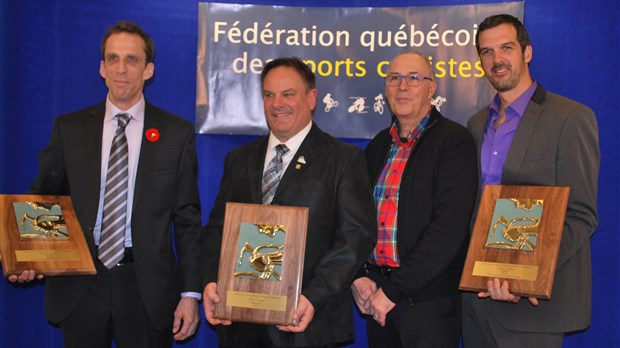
(265, 257)
(49, 225)
(520, 230)
(45, 221)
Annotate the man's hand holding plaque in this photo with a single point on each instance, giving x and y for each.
(302, 316)
(210, 299)
(24, 277)
(502, 292)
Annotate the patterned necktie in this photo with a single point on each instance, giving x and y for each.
(271, 176)
(112, 239)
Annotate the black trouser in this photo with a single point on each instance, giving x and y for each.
(431, 323)
(112, 309)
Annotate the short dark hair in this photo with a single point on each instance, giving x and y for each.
(131, 28)
(295, 63)
(493, 21)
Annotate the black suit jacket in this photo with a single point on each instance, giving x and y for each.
(556, 144)
(165, 194)
(341, 230)
(435, 201)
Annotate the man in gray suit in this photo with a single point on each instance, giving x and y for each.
(529, 136)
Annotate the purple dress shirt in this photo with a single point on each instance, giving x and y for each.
(496, 142)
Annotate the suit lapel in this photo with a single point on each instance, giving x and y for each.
(308, 152)
(91, 138)
(93, 133)
(522, 137)
(148, 149)
(479, 127)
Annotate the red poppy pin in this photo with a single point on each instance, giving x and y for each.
(152, 135)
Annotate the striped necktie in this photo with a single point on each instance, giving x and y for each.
(112, 239)
(271, 176)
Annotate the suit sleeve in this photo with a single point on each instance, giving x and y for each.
(51, 177)
(578, 162)
(187, 223)
(353, 236)
(212, 232)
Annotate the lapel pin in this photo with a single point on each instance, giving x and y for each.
(152, 135)
(301, 160)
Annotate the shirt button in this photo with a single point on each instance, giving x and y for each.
(495, 153)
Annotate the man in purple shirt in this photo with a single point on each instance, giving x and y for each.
(529, 136)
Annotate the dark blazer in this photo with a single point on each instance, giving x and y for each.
(556, 144)
(165, 193)
(341, 227)
(436, 198)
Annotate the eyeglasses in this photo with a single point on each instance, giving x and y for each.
(413, 80)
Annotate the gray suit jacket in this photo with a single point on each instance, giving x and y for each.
(556, 144)
(342, 227)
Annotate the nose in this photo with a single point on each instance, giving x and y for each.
(277, 101)
(497, 57)
(402, 84)
(121, 66)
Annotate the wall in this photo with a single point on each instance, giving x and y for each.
(49, 60)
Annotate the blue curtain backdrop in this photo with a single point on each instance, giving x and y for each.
(49, 61)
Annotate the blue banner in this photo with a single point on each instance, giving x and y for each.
(349, 50)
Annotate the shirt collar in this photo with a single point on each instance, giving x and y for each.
(293, 143)
(136, 111)
(414, 132)
(518, 106)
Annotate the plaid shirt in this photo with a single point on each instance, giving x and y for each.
(387, 191)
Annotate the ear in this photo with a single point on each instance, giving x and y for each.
(527, 54)
(102, 71)
(433, 89)
(312, 98)
(149, 71)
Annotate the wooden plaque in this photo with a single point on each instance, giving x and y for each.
(41, 233)
(261, 263)
(516, 237)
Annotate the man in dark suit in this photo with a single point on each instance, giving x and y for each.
(145, 295)
(321, 173)
(529, 136)
(424, 170)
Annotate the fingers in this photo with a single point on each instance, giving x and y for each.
(24, 277)
(187, 329)
(362, 288)
(500, 291)
(210, 299)
(303, 314)
(380, 306)
(363, 306)
(186, 318)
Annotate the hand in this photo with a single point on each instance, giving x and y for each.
(186, 318)
(502, 292)
(380, 306)
(362, 288)
(303, 314)
(25, 276)
(209, 299)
